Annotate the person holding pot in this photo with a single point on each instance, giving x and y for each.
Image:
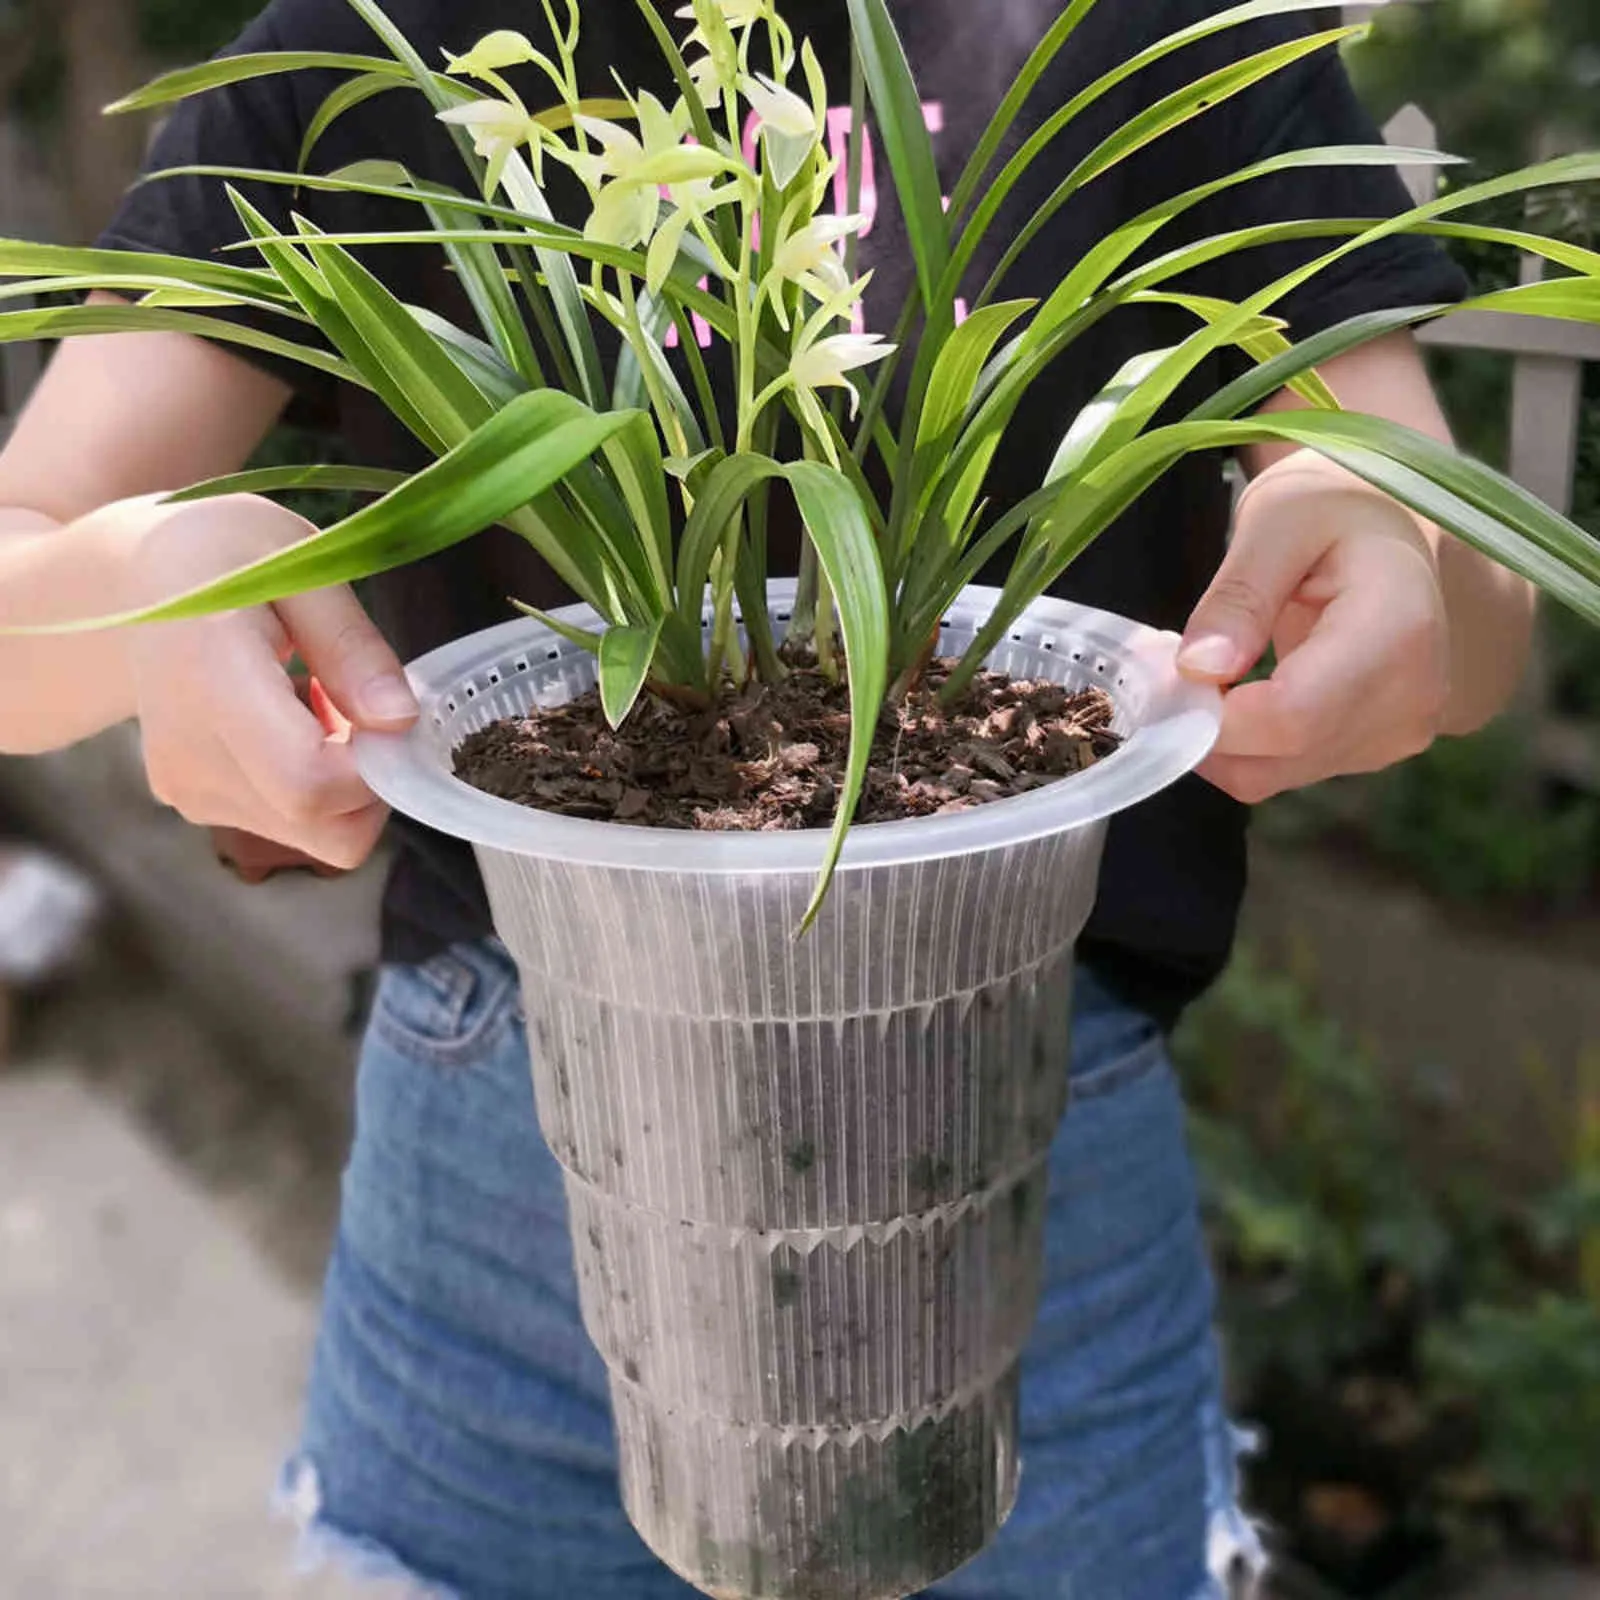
(457, 1430)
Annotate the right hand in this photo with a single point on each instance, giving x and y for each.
(228, 742)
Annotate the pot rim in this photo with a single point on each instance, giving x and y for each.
(467, 685)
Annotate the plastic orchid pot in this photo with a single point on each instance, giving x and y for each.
(806, 1175)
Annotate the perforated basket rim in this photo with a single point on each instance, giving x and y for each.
(412, 771)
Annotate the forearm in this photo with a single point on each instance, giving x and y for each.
(1490, 609)
(117, 423)
(55, 690)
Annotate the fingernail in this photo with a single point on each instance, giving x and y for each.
(1213, 655)
(387, 699)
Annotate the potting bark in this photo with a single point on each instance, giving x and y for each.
(772, 757)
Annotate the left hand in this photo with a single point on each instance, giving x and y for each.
(1345, 584)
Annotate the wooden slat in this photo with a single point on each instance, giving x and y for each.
(1514, 335)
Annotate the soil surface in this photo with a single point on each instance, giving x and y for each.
(773, 757)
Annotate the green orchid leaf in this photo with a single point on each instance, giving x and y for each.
(481, 364)
(286, 480)
(513, 459)
(187, 81)
(1261, 338)
(1154, 122)
(46, 262)
(1016, 97)
(69, 322)
(584, 638)
(950, 392)
(1482, 507)
(1568, 299)
(411, 356)
(1159, 387)
(351, 93)
(842, 533)
(562, 283)
(1256, 387)
(478, 266)
(626, 655)
(721, 498)
(1173, 111)
(558, 313)
(898, 104)
(146, 289)
(634, 456)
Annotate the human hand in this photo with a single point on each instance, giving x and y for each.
(1344, 583)
(228, 741)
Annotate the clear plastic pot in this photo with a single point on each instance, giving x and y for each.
(806, 1176)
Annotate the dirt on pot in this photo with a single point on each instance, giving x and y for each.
(773, 757)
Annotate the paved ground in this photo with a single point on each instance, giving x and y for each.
(154, 1329)
(163, 1219)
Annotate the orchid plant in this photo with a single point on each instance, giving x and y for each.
(642, 489)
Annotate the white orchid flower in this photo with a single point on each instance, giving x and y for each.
(823, 365)
(708, 81)
(622, 153)
(493, 53)
(790, 127)
(810, 257)
(627, 171)
(778, 108)
(499, 129)
(736, 13)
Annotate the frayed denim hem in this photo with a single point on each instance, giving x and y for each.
(1236, 1557)
(298, 1500)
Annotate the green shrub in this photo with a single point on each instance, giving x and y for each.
(1453, 1331)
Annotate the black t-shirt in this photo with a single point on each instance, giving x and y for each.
(1175, 867)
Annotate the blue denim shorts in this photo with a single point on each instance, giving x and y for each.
(457, 1434)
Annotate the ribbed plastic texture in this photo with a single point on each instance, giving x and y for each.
(806, 1177)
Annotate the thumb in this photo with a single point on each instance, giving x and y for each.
(350, 658)
(1230, 629)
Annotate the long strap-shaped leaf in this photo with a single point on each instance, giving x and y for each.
(149, 289)
(718, 501)
(1174, 110)
(966, 247)
(1093, 270)
(316, 297)
(836, 518)
(898, 104)
(1072, 310)
(351, 93)
(950, 390)
(1164, 382)
(1016, 97)
(25, 258)
(68, 322)
(512, 459)
(187, 81)
(573, 345)
(286, 480)
(562, 282)
(1482, 507)
(478, 266)
(412, 357)
(848, 552)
